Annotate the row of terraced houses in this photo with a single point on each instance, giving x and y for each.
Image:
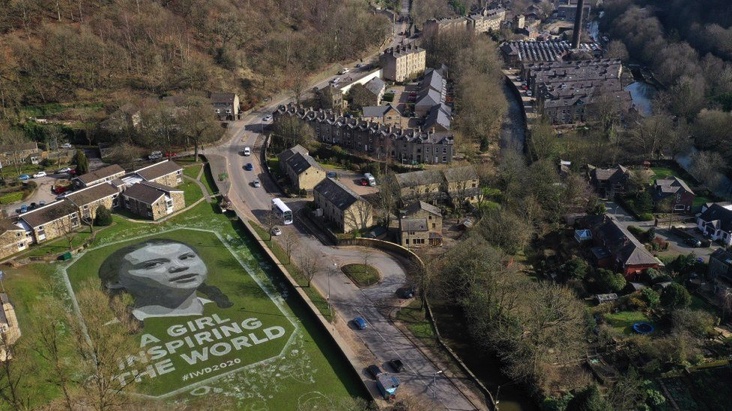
(381, 141)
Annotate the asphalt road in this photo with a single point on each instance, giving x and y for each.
(383, 339)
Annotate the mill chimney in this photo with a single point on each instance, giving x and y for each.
(578, 24)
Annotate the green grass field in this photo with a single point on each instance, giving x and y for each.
(623, 321)
(265, 371)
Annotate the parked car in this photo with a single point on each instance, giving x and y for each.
(360, 323)
(32, 206)
(331, 174)
(24, 177)
(406, 292)
(249, 167)
(39, 174)
(23, 208)
(256, 183)
(247, 151)
(63, 170)
(66, 145)
(397, 365)
(374, 370)
(693, 242)
(155, 155)
(276, 231)
(268, 117)
(41, 203)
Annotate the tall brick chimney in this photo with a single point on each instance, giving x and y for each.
(578, 24)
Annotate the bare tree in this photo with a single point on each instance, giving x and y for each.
(358, 216)
(198, 123)
(310, 264)
(291, 240)
(100, 343)
(14, 371)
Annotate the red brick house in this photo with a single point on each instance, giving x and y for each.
(617, 249)
(672, 194)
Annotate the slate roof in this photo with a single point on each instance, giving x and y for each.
(375, 111)
(101, 174)
(434, 80)
(429, 98)
(91, 194)
(463, 173)
(375, 85)
(421, 205)
(46, 214)
(671, 185)
(616, 174)
(413, 224)
(716, 212)
(7, 224)
(283, 156)
(148, 192)
(623, 244)
(336, 193)
(299, 163)
(439, 115)
(418, 178)
(227, 98)
(158, 170)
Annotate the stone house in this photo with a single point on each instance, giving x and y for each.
(672, 194)
(424, 185)
(13, 238)
(402, 62)
(428, 212)
(13, 154)
(89, 199)
(487, 20)
(387, 114)
(413, 232)
(9, 327)
(377, 87)
(462, 184)
(152, 200)
(166, 172)
(343, 207)
(225, 105)
(51, 221)
(381, 141)
(609, 181)
(303, 171)
(715, 222)
(102, 175)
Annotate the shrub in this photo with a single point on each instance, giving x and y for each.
(609, 280)
(645, 216)
(651, 296)
(675, 296)
(104, 217)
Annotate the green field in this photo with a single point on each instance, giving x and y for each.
(265, 370)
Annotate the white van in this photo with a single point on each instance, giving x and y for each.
(368, 178)
(247, 151)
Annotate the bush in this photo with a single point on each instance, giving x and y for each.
(675, 296)
(609, 280)
(104, 217)
(645, 216)
(651, 296)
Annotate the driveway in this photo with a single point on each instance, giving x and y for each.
(676, 245)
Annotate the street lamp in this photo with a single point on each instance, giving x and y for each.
(434, 380)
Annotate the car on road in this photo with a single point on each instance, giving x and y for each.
(335, 80)
(406, 292)
(256, 183)
(331, 174)
(63, 170)
(397, 365)
(24, 177)
(249, 167)
(374, 370)
(693, 242)
(268, 117)
(23, 208)
(247, 151)
(360, 323)
(39, 174)
(276, 231)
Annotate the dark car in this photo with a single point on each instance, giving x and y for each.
(331, 174)
(249, 167)
(693, 242)
(373, 370)
(406, 292)
(397, 365)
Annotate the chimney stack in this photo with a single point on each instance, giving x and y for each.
(577, 24)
